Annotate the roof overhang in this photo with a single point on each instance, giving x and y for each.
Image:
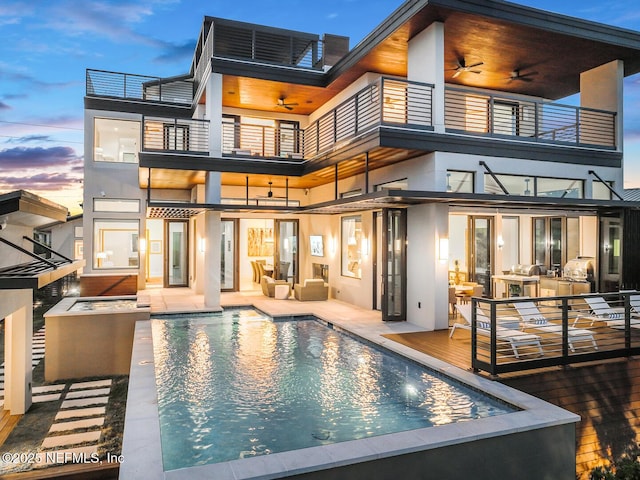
(504, 36)
(29, 210)
(398, 199)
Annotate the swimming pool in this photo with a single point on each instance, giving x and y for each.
(238, 384)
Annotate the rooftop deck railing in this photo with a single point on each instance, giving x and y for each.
(470, 112)
(175, 135)
(517, 334)
(101, 83)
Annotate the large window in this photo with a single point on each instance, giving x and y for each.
(526, 185)
(459, 182)
(600, 190)
(115, 243)
(116, 140)
(351, 246)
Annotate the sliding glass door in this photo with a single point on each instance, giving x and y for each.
(394, 264)
(286, 253)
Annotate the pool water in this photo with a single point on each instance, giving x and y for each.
(238, 384)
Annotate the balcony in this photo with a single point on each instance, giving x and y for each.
(400, 104)
(175, 135)
(126, 86)
(538, 121)
(387, 102)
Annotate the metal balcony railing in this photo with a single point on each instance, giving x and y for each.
(178, 135)
(500, 115)
(517, 334)
(262, 140)
(101, 83)
(385, 102)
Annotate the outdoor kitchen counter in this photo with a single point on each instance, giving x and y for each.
(521, 280)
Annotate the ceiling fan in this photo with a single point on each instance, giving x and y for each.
(516, 75)
(461, 66)
(283, 104)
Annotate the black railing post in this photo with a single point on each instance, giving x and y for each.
(494, 342)
(124, 86)
(627, 322)
(491, 114)
(356, 113)
(474, 336)
(565, 329)
(577, 126)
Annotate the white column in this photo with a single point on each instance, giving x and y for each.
(211, 272)
(18, 339)
(602, 88)
(427, 276)
(425, 63)
(212, 233)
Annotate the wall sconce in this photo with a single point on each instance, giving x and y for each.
(364, 247)
(332, 245)
(500, 242)
(142, 245)
(202, 243)
(443, 249)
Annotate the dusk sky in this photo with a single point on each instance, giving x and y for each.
(47, 46)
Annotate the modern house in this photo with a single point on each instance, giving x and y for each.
(457, 139)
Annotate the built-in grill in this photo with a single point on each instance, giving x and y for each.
(527, 270)
(579, 269)
(580, 272)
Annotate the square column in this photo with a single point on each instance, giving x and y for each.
(18, 339)
(427, 275)
(212, 229)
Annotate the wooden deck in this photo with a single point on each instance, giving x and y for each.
(606, 395)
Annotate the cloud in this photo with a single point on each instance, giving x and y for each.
(22, 78)
(40, 181)
(24, 158)
(4, 106)
(30, 138)
(175, 53)
(108, 19)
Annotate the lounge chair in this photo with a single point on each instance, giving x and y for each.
(533, 318)
(613, 317)
(515, 338)
(268, 285)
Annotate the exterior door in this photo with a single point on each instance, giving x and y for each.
(176, 254)
(480, 252)
(229, 255)
(286, 252)
(610, 253)
(394, 264)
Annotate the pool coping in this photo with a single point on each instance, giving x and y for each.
(142, 451)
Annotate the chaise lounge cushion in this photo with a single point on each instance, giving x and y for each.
(312, 290)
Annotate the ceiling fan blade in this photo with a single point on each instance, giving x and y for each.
(475, 65)
(474, 71)
(288, 107)
(458, 72)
